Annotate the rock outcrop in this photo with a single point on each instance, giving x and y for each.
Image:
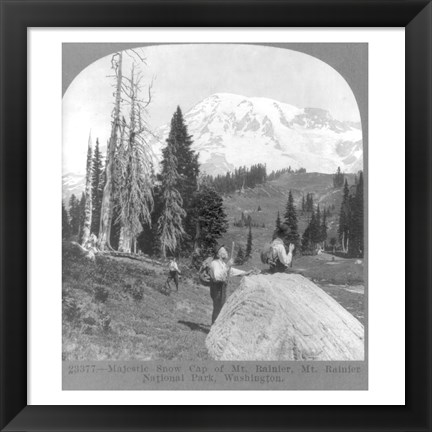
(284, 317)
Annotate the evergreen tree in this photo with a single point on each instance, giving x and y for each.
(291, 221)
(249, 244)
(311, 235)
(75, 214)
(317, 227)
(344, 217)
(338, 179)
(171, 221)
(97, 188)
(323, 235)
(188, 171)
(148, 239)
(314, 230)
(356, 229)
(66, 228)
(278, 221)
(81, 210)
(240, 258)
(333, 242)
(209, 217)
(303, 204)
(306, 243)
(309, 202)
(187, 159)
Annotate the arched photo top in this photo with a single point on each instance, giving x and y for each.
(296, 109)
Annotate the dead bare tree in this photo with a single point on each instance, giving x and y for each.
(88, 195)
(107, 198)
(135, 165)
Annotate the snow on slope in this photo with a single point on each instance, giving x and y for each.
(230, 130)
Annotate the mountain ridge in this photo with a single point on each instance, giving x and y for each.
(229, 131)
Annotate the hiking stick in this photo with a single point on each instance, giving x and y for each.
(229, 267)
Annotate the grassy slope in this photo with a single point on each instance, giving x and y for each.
(174, 327)
(272, 197)
(158, 326)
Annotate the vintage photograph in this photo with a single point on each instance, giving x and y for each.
(213, 208)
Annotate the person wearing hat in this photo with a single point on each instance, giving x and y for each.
(280, 260)
(174, 273)
(220, 270)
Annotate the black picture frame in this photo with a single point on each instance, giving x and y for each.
(17, 16)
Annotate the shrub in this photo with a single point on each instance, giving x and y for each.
(71, 310)
(101, 294)
(135, 290)
(93, 318)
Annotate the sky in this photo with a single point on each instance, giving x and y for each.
(184, 75)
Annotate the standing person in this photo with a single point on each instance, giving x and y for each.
(279, 259)
(220, 270)
(174, 273)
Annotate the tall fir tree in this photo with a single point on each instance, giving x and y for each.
(323, 236)
(249, 243)
(240, 258)
(82, 207)
(171, 220)
(209, 217)
(188, 171)
(291, 220)
(356, 243)
(75, 214)
(278, 221)
(97, 188)
(338, 179)
(311, 235)
(344, 218)
(66, 228)
(317, 227)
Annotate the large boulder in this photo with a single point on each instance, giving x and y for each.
(284, 317)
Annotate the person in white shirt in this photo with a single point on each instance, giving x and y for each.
(220, 270)
(173, 273)
(280, 260)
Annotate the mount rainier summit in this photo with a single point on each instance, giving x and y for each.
(229, 131)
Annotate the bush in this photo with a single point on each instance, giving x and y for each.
(101, 294)
(71, 310)
(93, 318)
(104, 320)
(135, 290)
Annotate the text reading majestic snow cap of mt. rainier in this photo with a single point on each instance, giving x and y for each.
(231, 130)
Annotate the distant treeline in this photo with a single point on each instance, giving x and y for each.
(246, 177)
(241, 177)
(274, 175)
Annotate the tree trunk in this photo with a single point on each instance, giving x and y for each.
(88, 197)
(125, 241)
(107, 204)
(343, 241)
(284, 317)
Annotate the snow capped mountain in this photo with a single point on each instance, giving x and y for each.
(73, 183)
(230, 131)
